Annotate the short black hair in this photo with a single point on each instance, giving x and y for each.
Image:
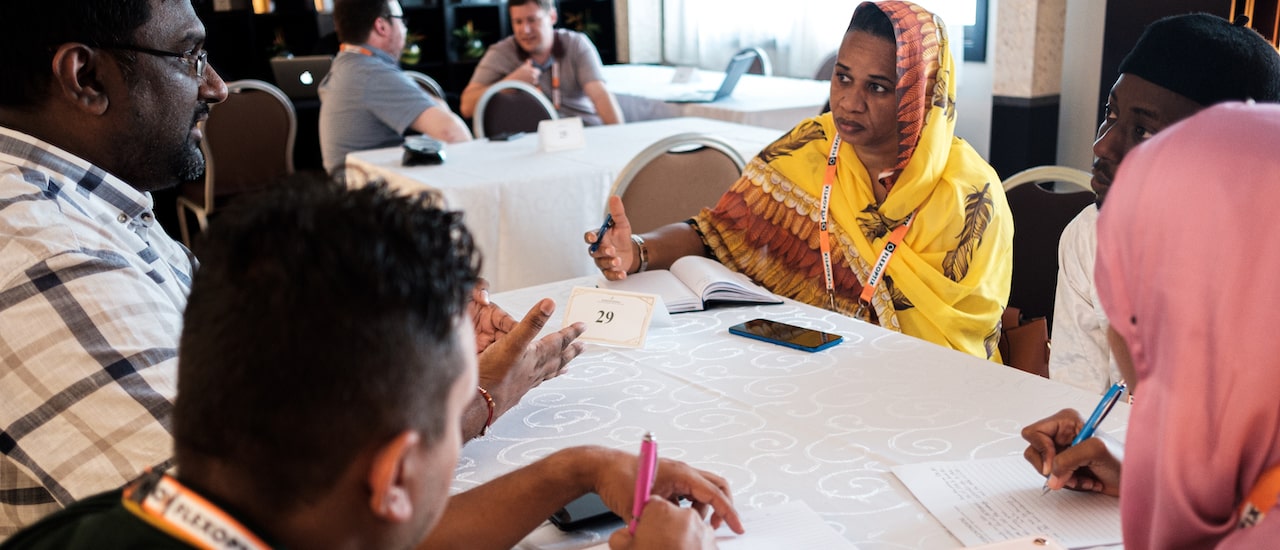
(869, 18)
(31, 29)
(321, 323)
(353, 19)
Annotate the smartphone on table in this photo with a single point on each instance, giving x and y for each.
(783, 334)
(585, 511)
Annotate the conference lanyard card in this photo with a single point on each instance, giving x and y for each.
(614, 317)
(561, 134)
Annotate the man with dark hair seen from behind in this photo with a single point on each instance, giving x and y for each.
(1180, 65)
(564, 64)
(325, 363)
(99, 105)
(366, 101)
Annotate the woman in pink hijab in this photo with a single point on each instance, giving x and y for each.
(1189, 274)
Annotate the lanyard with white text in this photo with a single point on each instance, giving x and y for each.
(168, 506)
(824, 239)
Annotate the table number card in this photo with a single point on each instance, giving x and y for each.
(612, 317)
(684, 75)
(561, 134)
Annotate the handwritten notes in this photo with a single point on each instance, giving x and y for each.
(992, 500)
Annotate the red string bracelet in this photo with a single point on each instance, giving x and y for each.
(488, 399)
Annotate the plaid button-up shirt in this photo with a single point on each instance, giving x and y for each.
(91, 298)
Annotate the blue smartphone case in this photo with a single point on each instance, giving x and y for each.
(742, 330)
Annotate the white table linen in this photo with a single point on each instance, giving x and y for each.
(779, 424)
(769, 101)
(528, 209)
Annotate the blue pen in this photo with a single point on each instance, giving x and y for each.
(608, 222)
(1099, 414)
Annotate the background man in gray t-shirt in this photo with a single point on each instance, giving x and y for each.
(366, 101)
(537, 54)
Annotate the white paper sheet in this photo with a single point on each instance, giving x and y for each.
(992, 500)
(783, 527)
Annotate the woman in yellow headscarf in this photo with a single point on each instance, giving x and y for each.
(882, 168)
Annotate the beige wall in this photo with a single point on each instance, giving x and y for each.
(1081, 62)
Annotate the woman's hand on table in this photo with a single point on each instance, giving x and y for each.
(614, 256)
(1088, 466)
(666, 526)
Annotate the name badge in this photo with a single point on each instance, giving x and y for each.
(612, 317)
(561, 134)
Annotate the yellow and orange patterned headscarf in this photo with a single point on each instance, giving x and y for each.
(949, 281)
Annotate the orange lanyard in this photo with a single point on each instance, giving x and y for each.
(352, 48)
(555, 83)
(168, 506)
(1263, 497)
(824, 239)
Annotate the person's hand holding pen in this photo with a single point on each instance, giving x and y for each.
(611, 247)
(1086, 466)
(665, 525)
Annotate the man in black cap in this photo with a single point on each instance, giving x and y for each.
(1181, 64)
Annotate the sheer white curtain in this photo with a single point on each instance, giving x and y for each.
(797, 34)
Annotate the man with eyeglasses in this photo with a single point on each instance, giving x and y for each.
(564, 64)
(366, 101)
(99, 106)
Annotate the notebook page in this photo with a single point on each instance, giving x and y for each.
(713, 281)
(675, 294)
(991, 500)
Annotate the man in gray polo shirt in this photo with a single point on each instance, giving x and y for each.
(563, 64)
(366, 101)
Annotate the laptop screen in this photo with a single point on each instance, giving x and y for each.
(299, 77)
(737, 67)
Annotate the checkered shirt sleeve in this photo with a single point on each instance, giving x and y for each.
(91, 300)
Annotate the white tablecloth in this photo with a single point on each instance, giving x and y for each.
(527, 209)
(780, 424)
(769, 101)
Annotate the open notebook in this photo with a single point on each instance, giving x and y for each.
(693, 282)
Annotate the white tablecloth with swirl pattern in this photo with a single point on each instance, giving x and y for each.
(779, 424)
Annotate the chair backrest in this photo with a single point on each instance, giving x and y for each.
(511, 106)
(673, 178)
(1040, 212)
(248, 139)
(428, 84)
(761, 64)
(827, 68)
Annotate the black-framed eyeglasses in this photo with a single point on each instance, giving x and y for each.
(196, 60)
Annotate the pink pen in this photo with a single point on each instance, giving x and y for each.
(646, 471)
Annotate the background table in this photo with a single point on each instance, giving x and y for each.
(769, 101)
(780, 424)
(528, 209)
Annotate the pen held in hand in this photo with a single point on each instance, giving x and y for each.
(1099, 414)
(608, 222)
(646, 472)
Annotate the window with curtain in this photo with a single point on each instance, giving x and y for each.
(797, 34)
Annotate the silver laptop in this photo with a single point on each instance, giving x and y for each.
(299, 77)
(737, 67)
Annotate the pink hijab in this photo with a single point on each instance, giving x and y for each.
(1189, 274)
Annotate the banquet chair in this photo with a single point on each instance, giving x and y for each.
(511, 106)
(674, 177)
(761, 64)
(1043, 201)
(827, 68)
(428, 84)
(248, 144)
